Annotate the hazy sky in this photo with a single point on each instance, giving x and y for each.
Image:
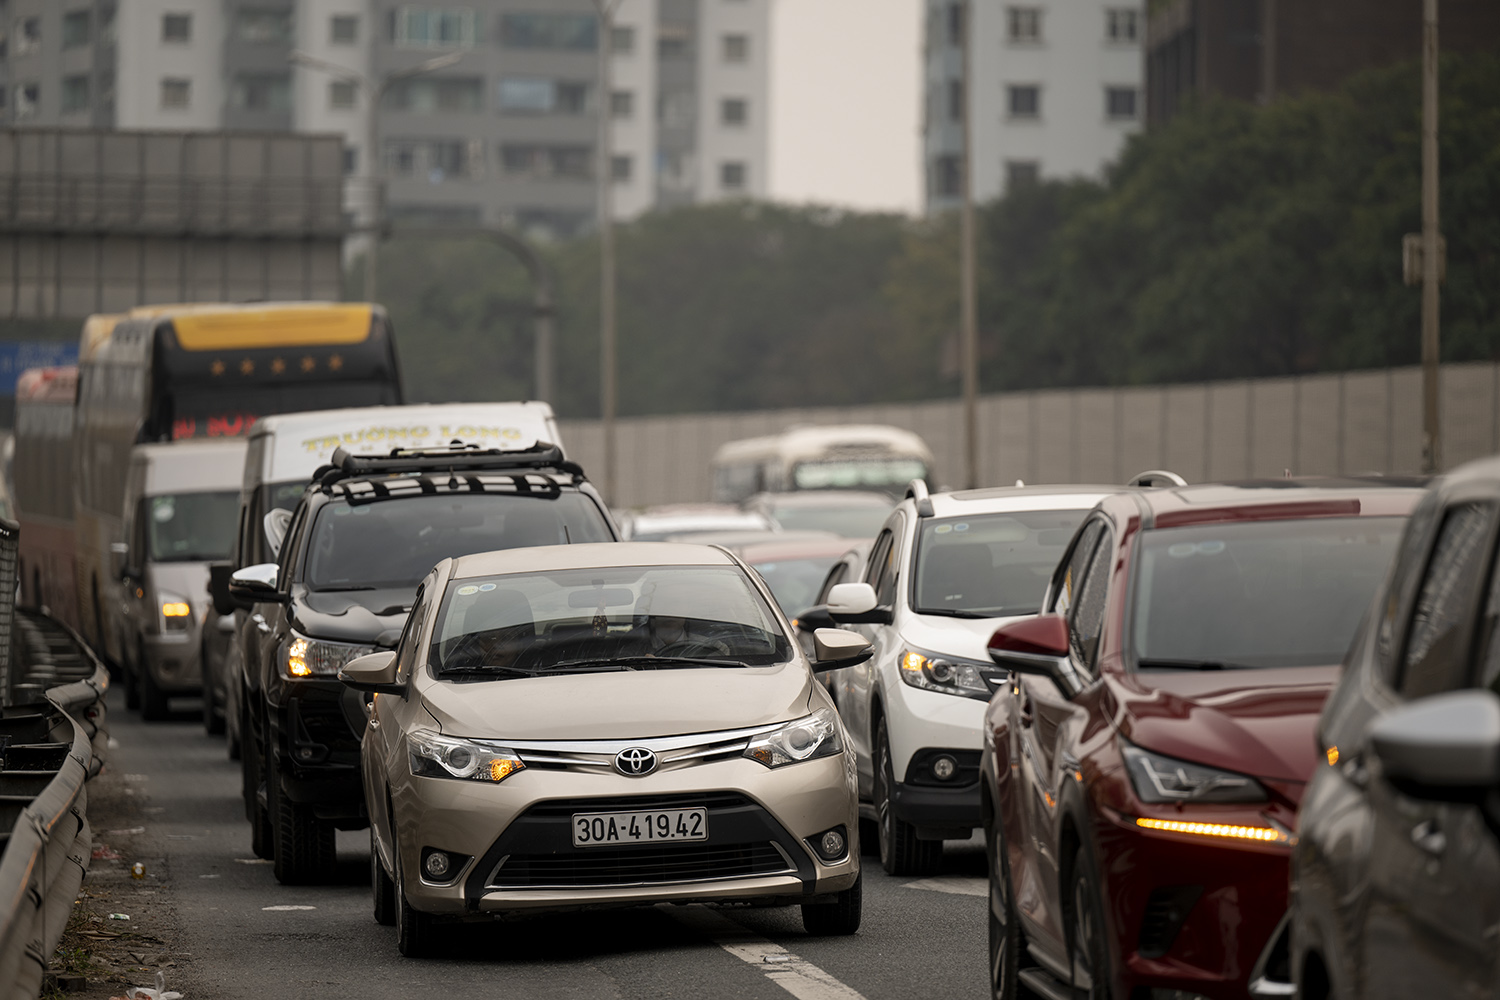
(845, 100)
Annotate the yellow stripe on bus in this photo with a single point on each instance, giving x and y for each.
(276, 326)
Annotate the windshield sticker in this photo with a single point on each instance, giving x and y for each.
(466, 591)
(961, 527)
(1184, 549)
(942, 529)
(485, 588)
(164, 511)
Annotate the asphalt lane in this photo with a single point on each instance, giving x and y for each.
(242, 935)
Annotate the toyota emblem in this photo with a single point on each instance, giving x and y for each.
(635, 762)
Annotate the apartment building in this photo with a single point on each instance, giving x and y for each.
(1055, 87)
(505, 134)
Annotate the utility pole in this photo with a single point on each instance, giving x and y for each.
(605, 170)
(968, 309)
(1432, 438)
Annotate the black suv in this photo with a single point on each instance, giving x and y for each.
(364, 534)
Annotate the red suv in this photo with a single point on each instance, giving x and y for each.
(1142, 768)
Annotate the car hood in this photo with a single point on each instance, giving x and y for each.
(633, 704)
(1256, 722)
(358, 616)
(966, 638)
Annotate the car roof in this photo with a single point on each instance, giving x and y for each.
(1005, 499)
(821, 498)
(811, 548)
(1280, 499)
(739, 539)
(588, 555)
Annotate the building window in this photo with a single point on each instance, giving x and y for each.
(430, 28)
(734, 111)
(75, 94)
(177, 28)
(1024, 101)
(955, 100)
(1023, 25)
(674, 41)
(543, 161)
(343, 29)
(732, 176)
(28, 36)
(946, 179)
(1122, 24)
(77, 28)
(568, 32)
(437, 93)
(176, 93)
(266, 92)
(341, 94)
(955, 23)
(435, 160)
(621, 168)
(263, 25)
(622, 40)
(1020, 173)
(537, 96)
(622, 104)
(736, 48)
(1119, 102)
(351, 161)
(28, 95)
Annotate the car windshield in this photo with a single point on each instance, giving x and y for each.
(851, 520)
(795, 582)
(394, 543)
(858, 473)
(634, 617)
(1256, 594)
(191, 527)
(989, 565)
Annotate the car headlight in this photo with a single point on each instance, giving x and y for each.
(303, 657)
(434, 756)
(807, 738)
(175, 610)
(944, 674)
(1166, 779)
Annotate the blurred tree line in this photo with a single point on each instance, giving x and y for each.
(1235, 241)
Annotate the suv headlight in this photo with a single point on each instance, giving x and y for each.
(434, 756)
(944, 674)
(301, 657)
(807, 738)
(1166, 779)
(175, 610)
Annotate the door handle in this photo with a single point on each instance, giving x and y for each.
(1429, 839)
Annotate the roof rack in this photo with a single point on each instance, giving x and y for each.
(1156, 477)
(457, 457)
(917, 490)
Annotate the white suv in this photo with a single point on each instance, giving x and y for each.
(946, 570)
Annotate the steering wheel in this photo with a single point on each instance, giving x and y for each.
(691, 647)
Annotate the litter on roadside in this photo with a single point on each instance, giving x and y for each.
(119, 916)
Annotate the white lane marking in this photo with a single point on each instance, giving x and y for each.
(956, 884)
(284, 907)
(797, 976)
(251, 861)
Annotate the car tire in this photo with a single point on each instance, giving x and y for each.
(1005, 930)
(305, 846)
(132, 689)
(416, 931)
(382, 887)
(840, 917)
(153, 698)
(1088, 948)
(213, 712)
(901, 853)
(252, 769)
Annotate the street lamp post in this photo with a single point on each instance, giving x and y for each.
(374, 92)
(1432, 439)
(605, 172)
(968, 308)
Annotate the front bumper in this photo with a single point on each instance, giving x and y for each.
(316, 727)
(938, 813)
(516, 839)
(174, 661)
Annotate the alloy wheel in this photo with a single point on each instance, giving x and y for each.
(1004, 934)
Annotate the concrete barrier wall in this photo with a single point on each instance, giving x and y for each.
(1350, 422)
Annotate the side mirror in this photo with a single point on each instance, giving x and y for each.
(1037, 646)
(1445, 747)
(857, 604)
(274, 525)
(256, 585)
(218, 587)
(119, 566)
(373, 672)
(814, 618)
(837, 648)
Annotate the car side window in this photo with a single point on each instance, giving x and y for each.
(879, 554)
(1064, 588)
(833, 579)
(885, 579)
(1435, 655)
(407, 656)
(1086, 621)
(291, 545)
(1487, 643)
(1403, 579)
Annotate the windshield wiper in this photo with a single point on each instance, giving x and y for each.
(489, 671)
(1168, 664)
(955, 613)
(649, 662)
(342, 590)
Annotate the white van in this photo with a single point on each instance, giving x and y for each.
(834, 457)
(179, 515)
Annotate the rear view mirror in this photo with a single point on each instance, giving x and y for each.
(218, 588)
(1442, 746)
(857, 604)
(373, 672)
(1037, 646)
(274, 525)
(837, 648)
(255, 585)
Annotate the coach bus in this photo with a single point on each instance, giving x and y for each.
(199, 371)
(835, 457)
(42, 470)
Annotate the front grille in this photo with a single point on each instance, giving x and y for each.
(636, 866)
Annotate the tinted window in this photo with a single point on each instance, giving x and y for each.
(1087, 619)
(858, 473)
(395, 543)
(406, 655)
(794, 582)
(1436, 640)
(1403, 578)
(880, 557)
(1256, 594)
(833, 579)
(1065, 588)
(990, 564)
(191, 527)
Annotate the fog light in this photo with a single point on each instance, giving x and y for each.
(832, 844)
(436, 866)
(944, 768)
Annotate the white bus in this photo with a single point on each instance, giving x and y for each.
(836, 457)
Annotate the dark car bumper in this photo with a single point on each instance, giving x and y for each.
(938, 813)
(316, 731)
